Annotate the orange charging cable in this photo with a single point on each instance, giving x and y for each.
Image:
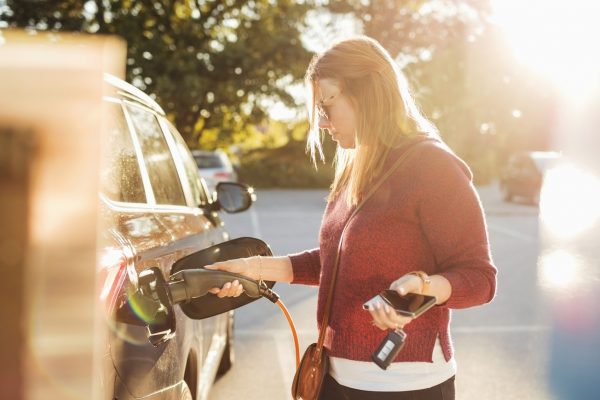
(274, 298)
(293, 328)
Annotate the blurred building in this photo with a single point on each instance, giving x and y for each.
(51, 89)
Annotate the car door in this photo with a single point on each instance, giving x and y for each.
(212, 328)
(130, 236)
(160, 231)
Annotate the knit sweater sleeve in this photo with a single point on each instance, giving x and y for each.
(306, 267)
(453, 222)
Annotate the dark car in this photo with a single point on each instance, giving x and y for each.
(524, 173)
(155, 211)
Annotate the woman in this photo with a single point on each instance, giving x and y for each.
(422, 231)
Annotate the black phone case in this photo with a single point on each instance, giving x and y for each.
(389, 297)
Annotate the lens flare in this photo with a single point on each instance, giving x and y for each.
(558, 269)
(132, 334)
(570, 201)
(144, 308)
(554, 37)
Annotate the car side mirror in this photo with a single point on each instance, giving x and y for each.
(233, 197)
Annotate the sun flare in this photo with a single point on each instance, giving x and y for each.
(555, 38)
(570, 201)
(558, 269)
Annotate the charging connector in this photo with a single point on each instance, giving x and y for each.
(267, 293)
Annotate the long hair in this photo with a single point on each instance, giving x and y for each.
(386, 113)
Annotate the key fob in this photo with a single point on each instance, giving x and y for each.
(389, 348)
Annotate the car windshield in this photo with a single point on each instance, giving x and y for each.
(208, 161)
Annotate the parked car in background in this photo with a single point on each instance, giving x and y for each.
(524, 174)
(214, 167)
(155, 210)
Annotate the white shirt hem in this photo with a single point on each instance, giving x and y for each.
(399, 377)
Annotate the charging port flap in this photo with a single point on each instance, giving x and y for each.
(210, 305)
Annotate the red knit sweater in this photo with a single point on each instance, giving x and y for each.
(426, 216)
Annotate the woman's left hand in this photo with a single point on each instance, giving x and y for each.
(408, 283)
(384, 317)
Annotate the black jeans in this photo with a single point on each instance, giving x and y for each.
(334, 391)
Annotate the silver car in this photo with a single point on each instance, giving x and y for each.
(214, 167)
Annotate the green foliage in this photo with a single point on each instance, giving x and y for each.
(409, 26)
(287, 166)
(209, 63)
(485, 104)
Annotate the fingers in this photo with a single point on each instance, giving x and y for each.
(407, 284)
(240, 290)
(236, 266)
(384, 317)
(227, 266)
(230, 289)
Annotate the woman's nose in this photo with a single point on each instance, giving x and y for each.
(324, 122)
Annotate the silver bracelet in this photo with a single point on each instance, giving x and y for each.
(259, 268)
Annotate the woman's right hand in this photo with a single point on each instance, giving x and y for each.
(241, 266)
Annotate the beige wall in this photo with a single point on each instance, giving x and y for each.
(51, 91)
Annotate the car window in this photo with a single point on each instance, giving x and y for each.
(191, 170)
(157, 157)
(120, 177)
(208, 161)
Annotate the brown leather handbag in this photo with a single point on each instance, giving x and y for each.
(314, 365)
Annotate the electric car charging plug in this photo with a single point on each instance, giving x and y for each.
(267, 293)
(190, 284)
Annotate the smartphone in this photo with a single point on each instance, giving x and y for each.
(410, 305)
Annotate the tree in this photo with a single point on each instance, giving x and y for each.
(209, 63)
(485, 103)
(413, 26)
(464, 77)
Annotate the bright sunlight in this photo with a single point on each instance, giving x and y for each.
(558, 269)
(556, 38)
(569, 201)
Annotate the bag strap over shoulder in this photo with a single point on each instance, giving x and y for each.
(405, 156)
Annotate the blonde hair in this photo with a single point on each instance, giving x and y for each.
(386, 113)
